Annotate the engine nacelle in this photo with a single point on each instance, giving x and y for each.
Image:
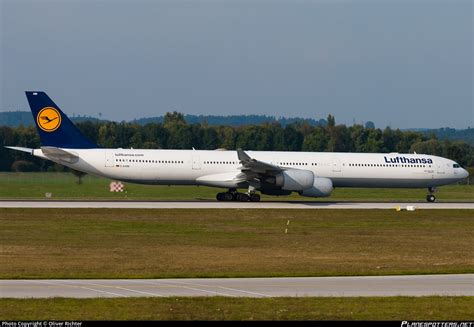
(322, 187)
(295, 179)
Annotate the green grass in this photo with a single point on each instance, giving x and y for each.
(64, 186)
(147, 243)
(218, 308)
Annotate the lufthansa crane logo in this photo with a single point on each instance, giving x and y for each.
(48, 119)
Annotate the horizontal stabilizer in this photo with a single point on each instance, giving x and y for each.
(19, 148)
(60, 154)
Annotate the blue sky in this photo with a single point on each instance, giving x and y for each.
(398, 63)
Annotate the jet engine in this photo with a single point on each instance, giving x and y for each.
(294, 179)
(321, 187)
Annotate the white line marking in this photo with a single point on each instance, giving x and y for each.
(74, 286)
(226, 288)
(121, 288)
(248, 292)
(173, 283)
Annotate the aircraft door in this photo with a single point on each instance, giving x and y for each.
(439, 167)
(196, 163)
(109, 158)
(336, 165)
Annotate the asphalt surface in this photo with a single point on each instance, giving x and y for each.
(410, 285)
(231, 205)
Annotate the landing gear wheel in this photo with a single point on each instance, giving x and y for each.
(255, 197)
(242, 197)
(228, 196)
(220, 196)
(430, 198)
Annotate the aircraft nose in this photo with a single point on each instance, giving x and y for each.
(465, 173)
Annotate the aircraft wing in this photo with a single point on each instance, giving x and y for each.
(254, 168)
(251, 170)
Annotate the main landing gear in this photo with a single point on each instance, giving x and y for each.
(233, 195)
(430, 197)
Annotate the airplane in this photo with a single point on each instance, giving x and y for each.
(310, 174)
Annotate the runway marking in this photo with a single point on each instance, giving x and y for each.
(173, 283)
(247, 292)
(121, 288)
(73, 286)
(229, 289)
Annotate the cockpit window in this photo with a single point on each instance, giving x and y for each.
(456, 166)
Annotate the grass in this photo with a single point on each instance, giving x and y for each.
(64, 186)
(145, 243)
(218, 308)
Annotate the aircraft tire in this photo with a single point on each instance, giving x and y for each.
(255, 197)
(228, 196)
(242, 197)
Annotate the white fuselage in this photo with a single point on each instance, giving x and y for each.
(218, 168)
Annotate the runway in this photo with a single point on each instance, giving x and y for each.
(231, 205)
(410, 285)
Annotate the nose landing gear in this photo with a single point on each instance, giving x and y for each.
(430, 197)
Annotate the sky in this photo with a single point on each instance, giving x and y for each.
(398, 63)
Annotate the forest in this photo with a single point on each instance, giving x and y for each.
(175, 133)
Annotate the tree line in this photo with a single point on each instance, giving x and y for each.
(175, 133)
